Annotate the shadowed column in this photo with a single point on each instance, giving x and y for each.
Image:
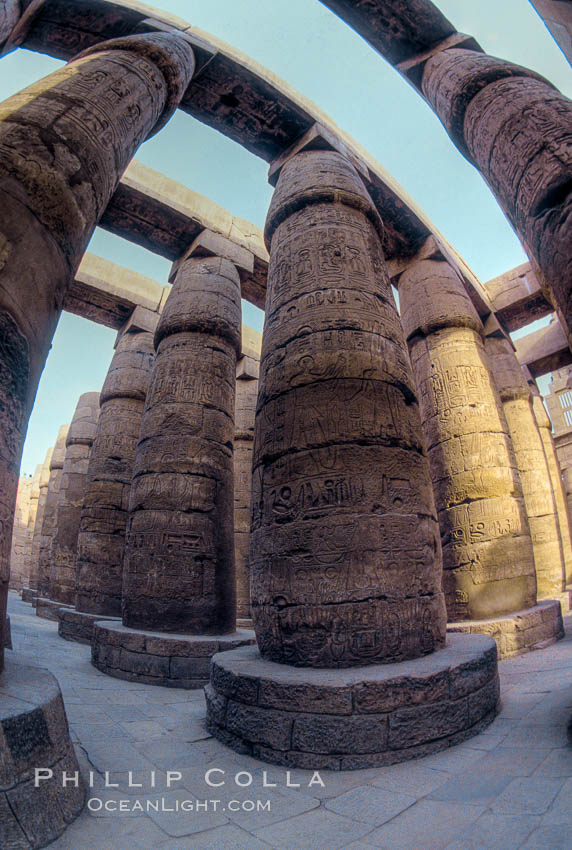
(101, 539)
(64, 144)
(515, 127)
(245, 408)
(531, 460)
(50, 512)
(488, 566)
(37, 537)
(179, 573)
(545, 428)
(345, 554)
(29, 590)
(72, 490)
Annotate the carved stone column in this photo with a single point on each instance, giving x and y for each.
(534, 474)
(37, 536)
(101, 538)
(545, 429)
(64, 144)
(345, 552)
(9, 16)
(50, 512)
(20, 536)
(30, 593)
(245, 408)
(179, 570)
(515, 127)
(488, 566)
(70, 500)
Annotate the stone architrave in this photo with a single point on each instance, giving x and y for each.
(101, 539)
(37, 536)
(9, 17)
(531, 460)
(514, 126)
(488, 564)
(179, 571)
(245, 409)
(64, 143)
(50, 510)
(79, 441)
(345, 556)
(545, 429)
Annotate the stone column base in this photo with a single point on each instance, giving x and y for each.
(48, 609)
(356, 717)
(28, 594)
(78, 626)
(34, 733)
(244, 623)
(159, 658)
(534, 628)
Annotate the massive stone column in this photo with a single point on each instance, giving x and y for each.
(50, 511)
(62, 579)
(37, 536)
(64, 144)
(545, 429)
(9, 16)
(30, 592)
(179, 569)
(488, 565)
(101, 540)
(345, 550)
(245, 408)
(21, 538)
(531, 460)
(515, 127)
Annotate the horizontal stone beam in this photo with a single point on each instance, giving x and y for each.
(233, 94)
(545, 350)
(517, 297)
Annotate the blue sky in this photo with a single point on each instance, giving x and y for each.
(305, 44)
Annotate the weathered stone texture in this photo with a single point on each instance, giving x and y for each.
(62, 578)
(179, 572)
(34, 733)
(101, 538)
(64, 144)
(545, 429)
(244, 413)
(488, 566)
(345, 555)
(37, 536)
(21, 536)
(354, 718)
(10, 11)
(533, 468)
(515, 127)
(50, 512)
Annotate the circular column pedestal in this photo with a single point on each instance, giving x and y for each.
(159, 658)
(244, 624)
(34, 734)
(534, 628)
(78, 626)
(356, 717)
(29, 594)
(49, 610)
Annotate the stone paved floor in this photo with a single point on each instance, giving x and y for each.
(510, 787)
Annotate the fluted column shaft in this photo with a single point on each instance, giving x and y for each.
(345, 555)
(488, 566)
(64, 144)
(179, 572)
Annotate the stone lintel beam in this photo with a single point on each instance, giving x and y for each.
(211, 244)
(317, 138)
(141, 319)
(517, 297)
(545, 350)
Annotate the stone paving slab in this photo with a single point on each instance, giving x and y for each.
(509, 787)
